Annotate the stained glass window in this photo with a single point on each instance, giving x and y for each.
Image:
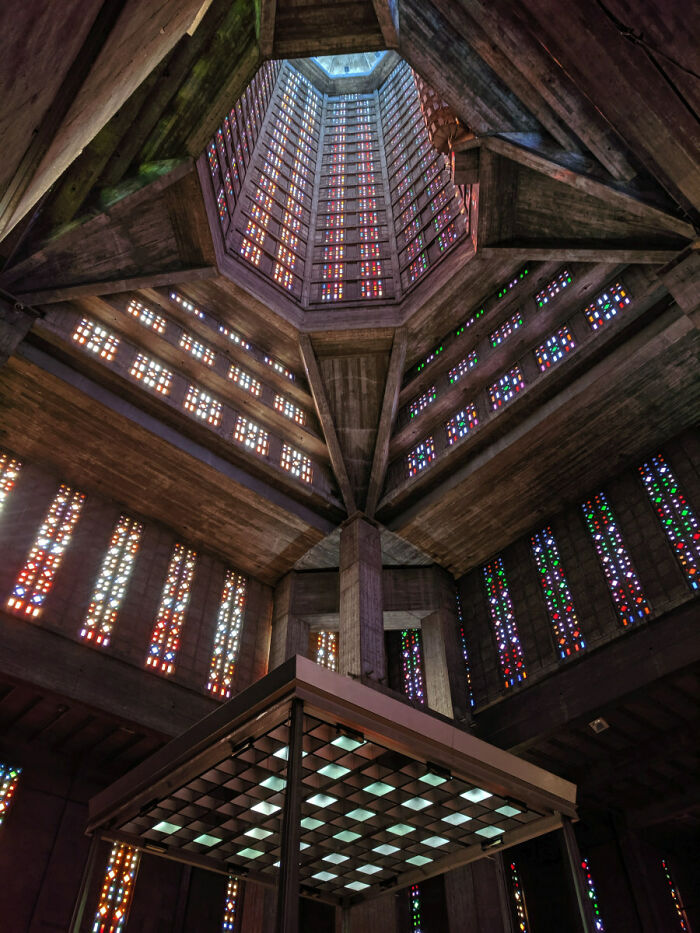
(675, 898)
(96, 339)
(9, 471)
(227, 636)
(625, 587)
(197, 349)
(187, 305)
(593, 897)
(463, 367)
(412, 665)
(9, 778)
(422, 402)
(462, 423)
(279, 368)
(677, 518)
(557, 595)
(37, 576)
(421, 455)
(508, 327)
(117, 889)
(289, 409)
(251, 435)
(165, 638)
(244, 380)
(325, 649)
(203, 406)
(554, 349)
(146, 316)
(519, 900)
(510, 652)
(296, 463)
(231, 907)
(507, 387)
(553, 288)
(434, 353)
(112, 581)
(607, 305)
(415, 909)
(516, 280)
(151, 374)
(234, 337)
(465, 650)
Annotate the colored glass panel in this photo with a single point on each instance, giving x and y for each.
(421, 455)
(518, 900)
(465, 651)
(9, 471)
(252, 436)
(165, 639)
(197, 349)
(507, 387)
(557, 595)
(151, 374)
(296, 463)
(553, 288)
(289, 409)
(117, 889)
(516, 280)
(227, 636)
(325, 649)
(507, 328)
(203, 406)
(146, 316)
(607, 305)
(420, 403)
(463, 367)
(414, 906)
(675, 898)
(554, 349)
(462, 423)
(96, 339)
(228, 924)
(9, 778)
(412, 665)
(244, 380)
(592, 896)
(510, 652)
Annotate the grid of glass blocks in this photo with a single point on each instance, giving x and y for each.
(510, 652)
(324, 649)
(518, 900)
(244, 380)
(507, 387)
(252, 436)
(112, 582)
(412, 665)
(675, 898)
(420, 403)
(508, 327)
(593, 897)
(197, 349)
(516, 280)
(203, 406)
(421, 455)
(9, 471)
(117, 889)
(557, 595)
(289, 409)
(625, 588)
(9, 778)
(606, 306)
(97, 339)
(187, 305)
(368, 813)
(555, 348)
(279, 368)
(296, 463)
(463, 367)
(36, 578)
(462, 423)
(675, 514)
(146, 316)
(227, 636)
(151, 374)
(228, 924)
(553, 288)
(165, 638)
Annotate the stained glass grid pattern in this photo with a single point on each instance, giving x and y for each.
(607, 305)
(592, 896)
(252, 436)
(151, 374)
(465, 650)
(37, 577)
(414, 906)
(117, 890)
(146, 316)
(421, 456)
(412, 665)
(677, 518)
(557, 595)
(112, 582)
(9, 778)
(9, 471)
(462, 424)
(228, 924)
(510, 652)
(507, 387)
(97, 339)
(202, 405)
(624, 585)
(325, 649)
(508, 327)
(296, 463)
(519, 906)
(553, 288)
(463, 367)
(165, 639)
(554, 349)
(227, 636)
(420, 403)
(675, 899)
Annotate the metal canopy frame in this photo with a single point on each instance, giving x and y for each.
(317, 783)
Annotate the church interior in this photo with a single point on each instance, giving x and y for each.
(349, 466)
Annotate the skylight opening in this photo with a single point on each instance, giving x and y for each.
(356, 65)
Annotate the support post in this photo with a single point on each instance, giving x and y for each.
(445, 675)
(290, 635)
(288, 893)
(573, 856)
(16, 321)
(84, 890)
(361, 638)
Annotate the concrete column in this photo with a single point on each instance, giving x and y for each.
(290, 635)
(443, 662)
(15, 323)
(254, 649)
(361, 636)
(478, 898)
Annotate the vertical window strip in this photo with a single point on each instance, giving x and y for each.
(37, 576)
(414, 901)
(519, 900)
(9, 778)
(593, 897)
(228, 635)
(326, 650)
(465, 651)
(557, 595)
(411, 665)
(9, 471)
(510, 651)
(117, 889)
(677, 518)
(112, 582)
(165, 639)
(625, 588)
(231, 905)
(675, 897)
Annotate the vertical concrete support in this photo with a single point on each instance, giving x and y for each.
(445, 676)
(361, 638)
(288, 883)
(254, 650)
(15, 323)
(478, 898)
(290, 635)
(573, 858)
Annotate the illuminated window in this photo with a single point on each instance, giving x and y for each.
(198, 350)
(146, 316)
(325, 649)
(421, 455)
(414, 909)
(422, 402)
(203, 406)
(244, 380)
(463, 367)
(513, 282)
(227, 636)
(371, 288)
(447, 237)
(117, 889)
(279, 368)
(368, 251)
(254, 232)
(231, 908)
(681, 915)
(331, 291)
(592, 896)
(519, 900)
(112, 581)
(296, 463)
(554, 288)
(289, 409)
(469, 323)
(37, 576)
(510, 652)
(554, 348)
(625, 588)
(252, 436)
(429, 358)
(465, 652)
(165, 638)
(506, 329)
(234, 337)
(557, 595)
(677, 518)
(332, 270)
(412, 665)
(606, 306)
(9, 471)
(462, 423)
(250, 252)
(9, 777)
(96, 339)
(151, 374)
(187, 305)
(417, 268)
(507, 387)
